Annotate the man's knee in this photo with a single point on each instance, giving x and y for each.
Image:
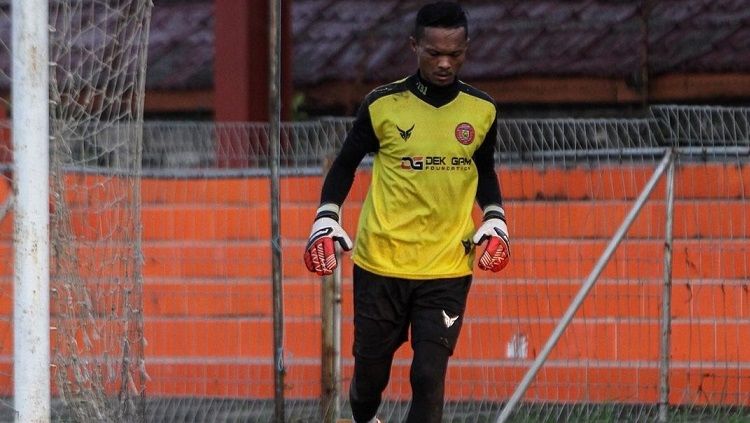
(368, 383)
(429, 366)
(370, 377)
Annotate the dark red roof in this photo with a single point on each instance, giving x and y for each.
(351, 39)
(366, 40)
(181, 45)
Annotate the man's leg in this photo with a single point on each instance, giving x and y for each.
(368, 383)
(380, 327)
(436, 319)
(428, 382)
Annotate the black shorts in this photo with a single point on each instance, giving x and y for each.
(385, 308)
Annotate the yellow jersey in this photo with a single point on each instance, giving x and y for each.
(416, 221)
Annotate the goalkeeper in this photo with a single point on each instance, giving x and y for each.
(433, 139)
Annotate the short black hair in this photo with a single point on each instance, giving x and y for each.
(441, 14)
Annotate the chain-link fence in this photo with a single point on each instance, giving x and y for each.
(567, 184)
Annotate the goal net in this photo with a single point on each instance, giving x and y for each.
(97, 71)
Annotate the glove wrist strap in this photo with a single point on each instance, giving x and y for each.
(329, 210)
(493, 212)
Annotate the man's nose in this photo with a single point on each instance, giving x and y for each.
(444, 62)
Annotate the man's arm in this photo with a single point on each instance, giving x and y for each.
(494, 230)
(360, 141)
(488, 189)
(320, 254)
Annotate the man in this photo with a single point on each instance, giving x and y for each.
(433, 138)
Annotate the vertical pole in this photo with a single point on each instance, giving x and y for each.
(666, 305)
(328, 371)
(274, 139)
(336, 377)
(331, 336)
(31, 337)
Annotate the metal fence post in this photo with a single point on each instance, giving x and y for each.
(274, 139)
(330, 315)
(666, 318)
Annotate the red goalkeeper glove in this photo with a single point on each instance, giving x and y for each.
(320, 252)
(493, 231)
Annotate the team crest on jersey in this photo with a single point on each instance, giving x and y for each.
(405, 134)
(465, 133)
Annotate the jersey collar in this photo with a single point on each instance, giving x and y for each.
(434, 95)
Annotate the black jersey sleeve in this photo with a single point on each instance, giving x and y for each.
(488, 188)
(360, 141)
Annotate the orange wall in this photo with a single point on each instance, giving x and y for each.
(207, 291)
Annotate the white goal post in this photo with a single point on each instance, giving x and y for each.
(77, 92)
(31, 334)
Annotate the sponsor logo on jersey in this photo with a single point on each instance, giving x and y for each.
(405, 134)
(465, 133)
(412, 163)
(435, 163)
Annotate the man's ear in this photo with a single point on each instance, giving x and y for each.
(413, 43)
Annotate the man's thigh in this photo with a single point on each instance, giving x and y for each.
(381, 314)
(437, 311)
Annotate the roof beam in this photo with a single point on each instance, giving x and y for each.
(157, 101)
(695, 88)
(345, 96)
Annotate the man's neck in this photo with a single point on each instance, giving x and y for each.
(435, 95)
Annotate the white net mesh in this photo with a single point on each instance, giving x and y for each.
(97, 72)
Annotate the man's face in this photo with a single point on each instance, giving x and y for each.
(440, 53)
